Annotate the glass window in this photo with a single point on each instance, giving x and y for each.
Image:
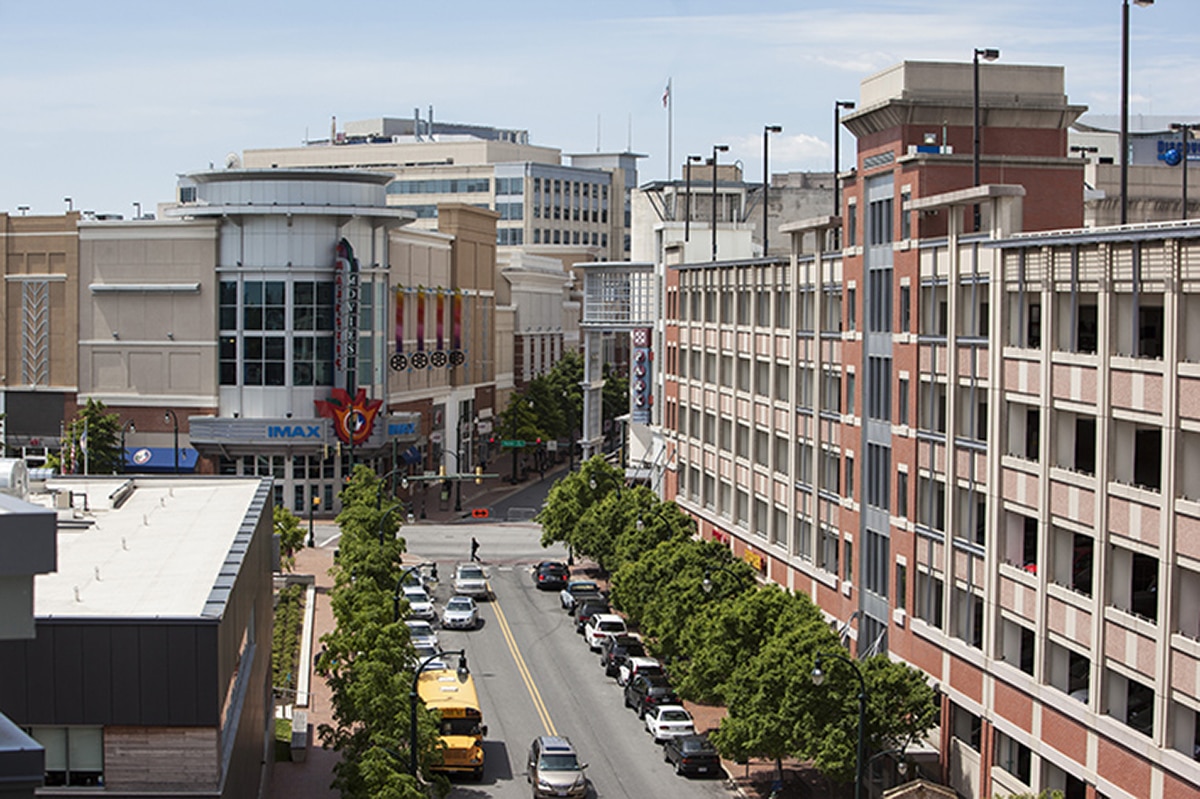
(74, 755)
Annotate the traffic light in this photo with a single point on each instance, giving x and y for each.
(478, 475)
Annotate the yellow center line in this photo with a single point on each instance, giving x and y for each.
(534, 694)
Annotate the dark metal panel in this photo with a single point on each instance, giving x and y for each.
(97, 674)
(209, 693)
(14, 694)
(126, 675)
(39, 681)
(35, 413)
(67, 668)
(181, 657)
(155, 685)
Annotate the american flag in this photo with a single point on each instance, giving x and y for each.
(667, 94)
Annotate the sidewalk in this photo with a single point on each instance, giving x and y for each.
(486, 495)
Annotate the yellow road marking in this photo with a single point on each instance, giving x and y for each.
(534, 694)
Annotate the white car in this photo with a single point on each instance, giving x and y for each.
(419, 604)
(429, 652)
(669, 721)
(637, 665)
(461, 613)
(601, 626)
(421, 633)
(470, 580)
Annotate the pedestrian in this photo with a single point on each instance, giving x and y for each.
(474, 548)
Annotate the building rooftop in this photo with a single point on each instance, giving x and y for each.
(146, 547)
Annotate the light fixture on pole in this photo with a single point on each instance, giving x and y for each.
(169, 416)
(717, 148)
(130, 427)
(987, 54)
(818, 677)
(837, 152)
(313, 504)
(1124, 155)
(1084, 150)
(687, 195)
(70, 204)
(463, 673)
(1185, 130)
(767, 130)
(24, 209)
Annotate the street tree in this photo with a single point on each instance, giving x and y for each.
(571, 496)
(291, 536)
(91, 440)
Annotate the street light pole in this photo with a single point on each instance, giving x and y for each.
(457, 455)
(767, 130)
(717, 148)
(169, 416)
(312, 508)
(818, 677)
(988, 54)
(1185, 130)
(463, 672)
(1125, 104)
(132, 429)
(687, 196)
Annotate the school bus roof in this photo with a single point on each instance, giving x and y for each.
(441, 688)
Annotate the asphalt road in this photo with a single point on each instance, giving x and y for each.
(536, 676)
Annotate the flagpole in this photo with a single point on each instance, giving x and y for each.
(85, 447)
(670, 126)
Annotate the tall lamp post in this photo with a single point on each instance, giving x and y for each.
(1125, 104)
(767, 130)
(571, 425)
(128, 426)
(708, 585)
(169, 416)
(987, 54)
(717, 148)
(838, 105)
(312, 509)
(457, 455)
(687, 196)
(818, 677)
(463, 673)
(1185, 130)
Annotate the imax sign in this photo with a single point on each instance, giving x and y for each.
(301, 431)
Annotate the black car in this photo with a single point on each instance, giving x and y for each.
(587, 608)
(649, 690)
(616, 649)
(692, 754)
(551, 575)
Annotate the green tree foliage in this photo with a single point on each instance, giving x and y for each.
(615, 394)
(548, 407)
(565, 378)
(368, 660)
(103, 442)
(291, 536)
(572, 496)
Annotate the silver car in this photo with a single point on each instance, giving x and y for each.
(554, 768)
(419, 604)
(470, 580)
(461, 613)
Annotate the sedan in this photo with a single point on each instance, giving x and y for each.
(461, 613)
(421, 633)
(692, 754)
(616, 649)
(568, 594)
(432, 655)
(419, 604)
(470, 580)
(551, 575)
(669, 721)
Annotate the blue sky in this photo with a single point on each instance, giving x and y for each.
(107, 102)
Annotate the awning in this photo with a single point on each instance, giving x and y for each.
(159, 460)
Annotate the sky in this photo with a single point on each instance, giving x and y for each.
(106, 103)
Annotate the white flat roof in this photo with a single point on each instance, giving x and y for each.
(158, 555)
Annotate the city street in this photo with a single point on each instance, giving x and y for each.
(536, 676)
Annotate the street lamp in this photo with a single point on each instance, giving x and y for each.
(687, 196)
(1125, 104)
(767, 130)
(818, 677)
(837, 152)
(707, 584)
(312, 508)
(717, 148)
(1185, 129)
(457, 455)
(416, 567)
(463, 673)
(128, 426)
(571, 422)
(169, 416)
(987, 54)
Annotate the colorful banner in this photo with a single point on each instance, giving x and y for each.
(439, 325)
(420, 318)
(399, 318)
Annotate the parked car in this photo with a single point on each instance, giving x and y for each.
(551, 575)
(554, 768)
(600, 626)
(616, 649)
(692, 754)
(470, 580)
(669, 721)
(428, 651)
(647, 691)
(638, 665)
(419, 604)
(421, 633)
(461, 613)
(587, 608)
(577, 587)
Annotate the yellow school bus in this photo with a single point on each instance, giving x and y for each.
(462, 728)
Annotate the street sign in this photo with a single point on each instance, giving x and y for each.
(513, 442)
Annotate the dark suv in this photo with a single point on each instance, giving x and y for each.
(585, 609)
(649, 690)
(616, 649)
